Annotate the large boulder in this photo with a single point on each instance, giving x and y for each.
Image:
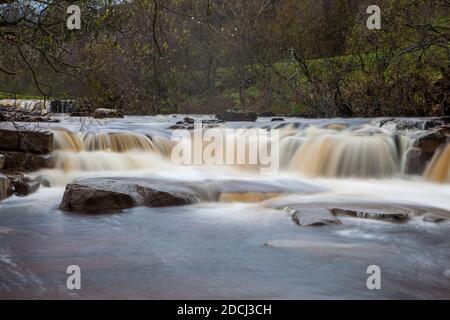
(103, 113)
(4, 187)
(114, 194)
(232, 115)
(26, 138)
(27, 161)
(99, 195)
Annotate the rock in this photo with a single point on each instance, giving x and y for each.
(103, 113)
(413, 161)
(429, 142)
(27, 161)
(250, 197)
(23, 186)
(2, 161)
(410, 124)
(43, 181)
(231, 115)
(99, 195)
(277, 119)
(309, 217)
(4, 187)
(25, 138)
(433, 218)
(113, 194)
(188, 120)
(189, 124)
(385, 213)
(62, 106)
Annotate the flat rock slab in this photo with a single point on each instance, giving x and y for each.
(434, 218)
(28, 138)
(117, 193)
(391, 214)
(310, 217)
(23, 161)
(100, 195)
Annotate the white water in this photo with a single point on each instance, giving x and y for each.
(230, 250)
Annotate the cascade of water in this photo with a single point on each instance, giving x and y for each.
(28, 105)
(364, 152)
(104, 151)
(345, 155)
(438, 169)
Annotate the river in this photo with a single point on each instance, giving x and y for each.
(236, 248)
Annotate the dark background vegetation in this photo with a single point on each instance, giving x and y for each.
(311, 58)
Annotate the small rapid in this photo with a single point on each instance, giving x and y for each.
(362, 152)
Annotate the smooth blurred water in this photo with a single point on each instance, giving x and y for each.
(213, 250)
(223, 250)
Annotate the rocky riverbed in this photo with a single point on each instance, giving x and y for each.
(104, 194)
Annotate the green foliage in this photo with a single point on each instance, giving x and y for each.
(312, 58)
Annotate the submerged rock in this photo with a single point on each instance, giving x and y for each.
(310, 217)
(386, 213)
(98, 195)
(43, 181)
(336, 126)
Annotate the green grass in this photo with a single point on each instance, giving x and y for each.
(5, 95)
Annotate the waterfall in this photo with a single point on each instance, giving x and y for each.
(27, 105)
(346, 156)
(120, 142)
(438, 169)
(363, 152)
(366, 152)
(104, 151)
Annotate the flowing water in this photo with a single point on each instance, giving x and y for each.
(241, 246)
